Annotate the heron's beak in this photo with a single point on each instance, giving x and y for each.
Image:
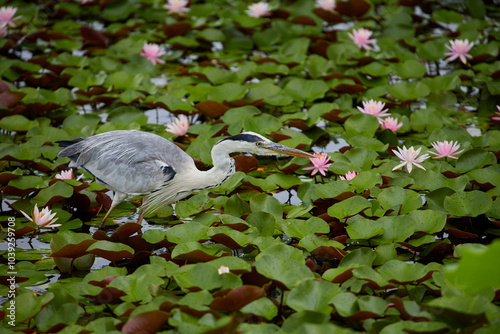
(285, 150)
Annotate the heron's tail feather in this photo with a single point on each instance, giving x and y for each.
(66, 143)
(70, 150)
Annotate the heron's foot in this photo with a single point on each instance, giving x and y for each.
(101, 225)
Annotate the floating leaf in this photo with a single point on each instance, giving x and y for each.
(468, 203)
(410, 68)
(297, 228)
(284, 264)
(476, 262)
(147, 322)
(428, 221)
(312, 295)
(237, 298)
(16, 123)
(306, 90)
(396, 228)
(402, 272)
(364, 229)
(111, 251)
(475, 158)
(198, 276)
(265, 203)
(348, 207)
(262, 307)
(362, 124)
(403, 200)
(409, 90)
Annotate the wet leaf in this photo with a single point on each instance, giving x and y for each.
(312, 295)
(468, 203)
(296, 228)
(409, 90)
(16, 123)
(190, 231)
(112, 251)
(349, 207)
(396, 228)
(284, 264)
(402, 200)
(32, 304)
(147, 322)
(265, 203)
(237, 298)
(472, 159)
(307, 90)
(198, 276)
(362, 124)
(262, 307)
(471, 265)
(402, 272)
(428, 221)
(55, 193)
(364, 229)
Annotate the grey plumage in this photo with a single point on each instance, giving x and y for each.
(133, 163)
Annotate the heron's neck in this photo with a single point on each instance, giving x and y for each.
(222, 170)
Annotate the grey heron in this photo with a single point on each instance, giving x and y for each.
(136, 163)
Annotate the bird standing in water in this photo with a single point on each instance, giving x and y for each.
(136, 163)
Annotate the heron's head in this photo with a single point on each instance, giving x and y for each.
(254, 143)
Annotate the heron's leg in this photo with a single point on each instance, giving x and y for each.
(117, 199)
(142, 212)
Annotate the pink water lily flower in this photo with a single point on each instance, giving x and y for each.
(45, 218)
(410, 158)
(326, 5)
(445, 149)
(319, 164)
(180, 126)
(391, 123)
(361, 37)
(259, 9)
(496, 116)
(223, 270)
(177, 6)
(374, 108)
(7, 16)
(3, 29)
(67, 175)
(349, 176)
(459, 49)
(153, 52)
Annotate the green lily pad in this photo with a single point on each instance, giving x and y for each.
(306, 90)
(312, 295)
(16, 123)
(265, 203)
(397, 198)
(297, 228)
(198, 276)
(111, 251)
(364, 229)
(396, 228)
(409, 90)
(468, 203)
(474, 263)
(284, 264)
(362, 124)
(429, 221)
(349, 207)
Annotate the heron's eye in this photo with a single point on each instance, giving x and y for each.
(259, 143)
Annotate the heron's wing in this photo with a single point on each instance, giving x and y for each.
(132, 162)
